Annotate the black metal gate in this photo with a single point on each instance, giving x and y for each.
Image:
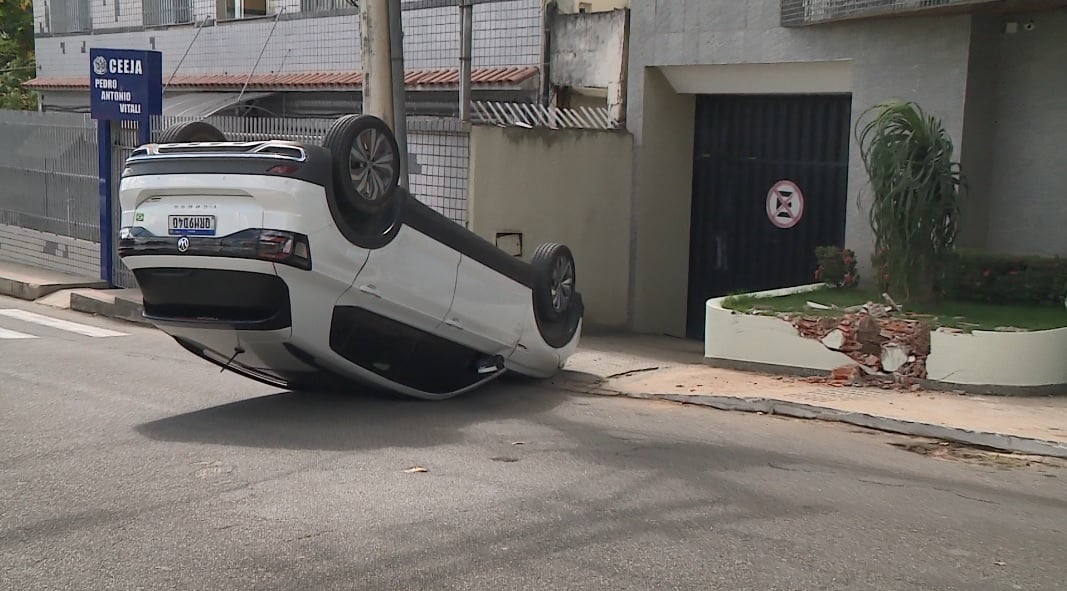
(770, 181)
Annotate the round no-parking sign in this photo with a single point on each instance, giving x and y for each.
(785, 204)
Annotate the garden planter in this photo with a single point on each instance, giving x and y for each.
(1030, 362)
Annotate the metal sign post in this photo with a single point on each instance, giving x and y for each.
(124, 85)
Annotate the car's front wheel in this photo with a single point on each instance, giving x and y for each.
(558, 306)
(366, 162)
(556, 280)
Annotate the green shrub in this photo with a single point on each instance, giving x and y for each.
(837, 266)
(1005, 279)
(915, 182)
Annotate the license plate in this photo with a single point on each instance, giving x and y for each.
(192, 225)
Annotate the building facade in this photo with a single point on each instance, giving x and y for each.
(744, 119)
(285, 57)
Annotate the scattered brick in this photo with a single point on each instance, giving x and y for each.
(868, 331)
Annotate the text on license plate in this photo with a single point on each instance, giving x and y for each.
(193, 225)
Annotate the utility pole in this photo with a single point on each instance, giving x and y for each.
(399, 88)
(377, 70)
(466, 17)
(384, 92)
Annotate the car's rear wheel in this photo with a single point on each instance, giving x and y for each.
(366, 162)
(191, 131)
(555, 292)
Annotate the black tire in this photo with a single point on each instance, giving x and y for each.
(364, 146)
(555, 291)
(191, 131)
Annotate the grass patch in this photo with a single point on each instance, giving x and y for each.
(963, 315)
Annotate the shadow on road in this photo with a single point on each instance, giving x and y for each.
(344, 422)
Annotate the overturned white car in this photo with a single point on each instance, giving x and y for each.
(307, 267)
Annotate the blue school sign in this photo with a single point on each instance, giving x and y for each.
(125, 84)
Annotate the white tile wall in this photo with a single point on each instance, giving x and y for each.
(318, 44)
(49, 251)
(505, 34)
(440, 164)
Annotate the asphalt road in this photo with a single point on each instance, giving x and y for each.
(127, 464)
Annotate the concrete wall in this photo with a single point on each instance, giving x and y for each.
(923, 59)
(979, 129)
(663, 163)
(566, 186)
(49, 251)
(1027, 213)
(588, 49)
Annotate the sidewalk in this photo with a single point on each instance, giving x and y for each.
(672, 369)
(63, 290)
(30, 283)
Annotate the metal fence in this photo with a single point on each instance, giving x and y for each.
(438, 151)
(48, 173)
(438, 157)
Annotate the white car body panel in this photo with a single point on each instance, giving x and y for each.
(411, 279)
(486, 312)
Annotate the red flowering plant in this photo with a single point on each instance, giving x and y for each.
(837, 266)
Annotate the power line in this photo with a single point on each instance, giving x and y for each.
(17, 68)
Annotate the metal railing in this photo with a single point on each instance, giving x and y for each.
(531, 115)
(809, 12)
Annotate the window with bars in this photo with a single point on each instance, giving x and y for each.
(69, 16)
(167, 12)
(325, 5)
(239, 9)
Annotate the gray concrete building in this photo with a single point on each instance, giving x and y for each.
(744, 116)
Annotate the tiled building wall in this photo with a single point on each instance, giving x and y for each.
(49, 251)
(438, 171)
(506, 33)
(300, 45)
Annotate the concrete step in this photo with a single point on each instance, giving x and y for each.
(31, 283)
(124, 304)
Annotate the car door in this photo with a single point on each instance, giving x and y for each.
(487, 310)
(411, 280)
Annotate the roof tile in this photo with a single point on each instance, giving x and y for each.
(305, 80)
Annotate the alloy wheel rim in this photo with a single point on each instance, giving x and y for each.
(562, 284)
(372, 163)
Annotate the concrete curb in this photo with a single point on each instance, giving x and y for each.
(33, 290)
(772, 406)
(105, 304)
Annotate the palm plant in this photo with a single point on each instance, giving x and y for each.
(916, 191)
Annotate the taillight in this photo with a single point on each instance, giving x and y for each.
(284, 247)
